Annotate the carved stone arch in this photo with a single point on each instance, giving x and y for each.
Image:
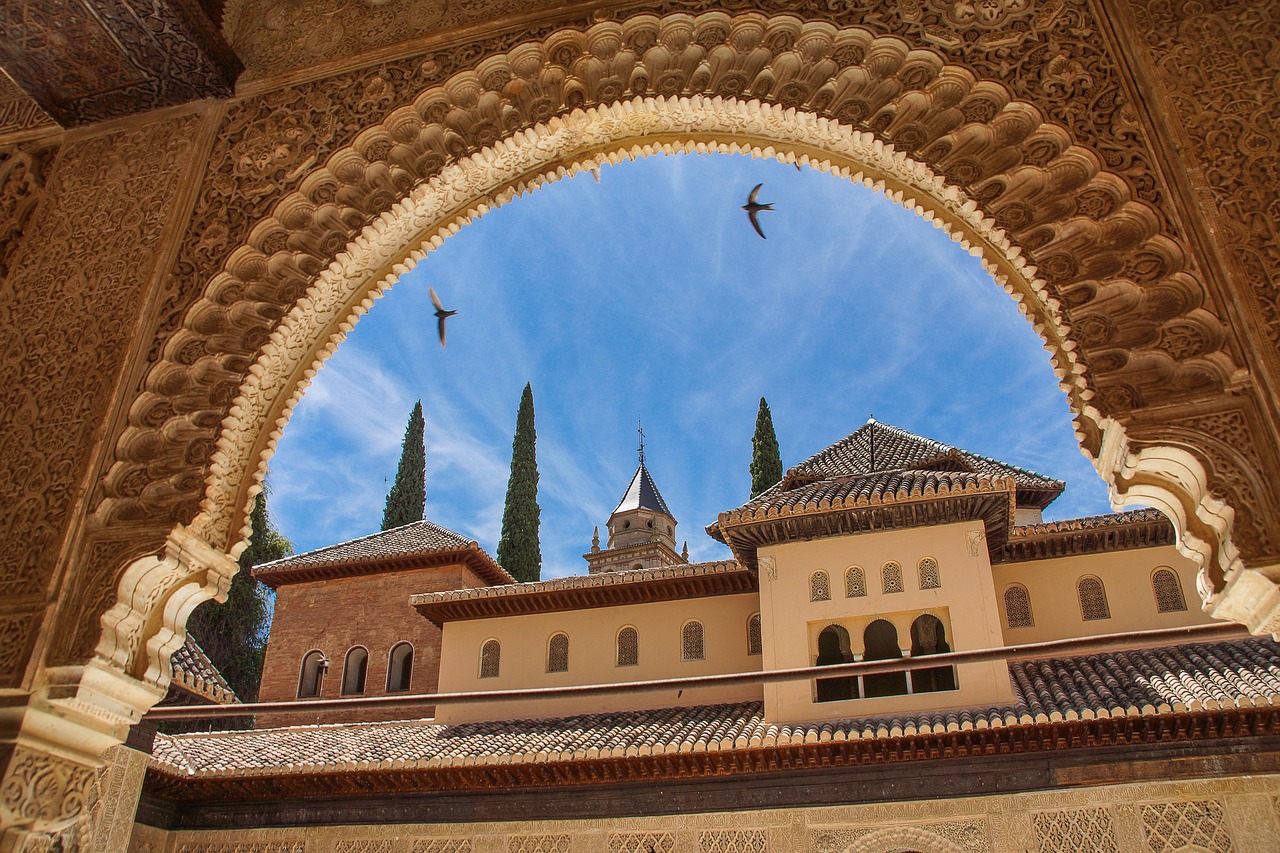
(1087, 260)
(901, 839)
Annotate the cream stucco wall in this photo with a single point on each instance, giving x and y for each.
(1126, 578)
(592, 656)
(965, 603)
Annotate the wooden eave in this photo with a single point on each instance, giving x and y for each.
(472, 557)
(174, 786)
(993, 507)
(643, 591)
(1048, 544)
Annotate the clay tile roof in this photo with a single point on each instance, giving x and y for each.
(898, 450)
(642, 494)
(1200, 676)
(195, 673)
(418, 541)
(878, 487)
(1139, 528)
(663, 583)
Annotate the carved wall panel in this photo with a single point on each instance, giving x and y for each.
(1171, 827)
(23, 171)
(1218, 63)
(280, 182)
(68, 310)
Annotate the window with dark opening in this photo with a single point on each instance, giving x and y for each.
(399, 667)
(929, 637)
(834, 648)
(354, 669)
(880, 640)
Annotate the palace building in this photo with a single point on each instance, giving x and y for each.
(199, 200)
(650, 686)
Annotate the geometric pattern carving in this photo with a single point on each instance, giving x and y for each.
(929, 576)
(693, 644)
(969, 836)
(442, 845)
(819, 587)
(641, 842)
(891, 577)
(23, 170)
(490, 659)
(1168, 592)
(1093, 599)
(245, 847)
(367, 845)
(1077, 831)
(1174, 826)
(755, 640)
(734, 841)
(539, 843)
(628, 647)
(855, 583)
(1017, 607)
(558, 653)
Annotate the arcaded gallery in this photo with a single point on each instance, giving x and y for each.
(200, 200)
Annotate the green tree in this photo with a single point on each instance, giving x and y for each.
(518, 549)
(234, 633)
(766, 460)
(407, 499)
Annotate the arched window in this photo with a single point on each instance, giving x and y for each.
(693, 641)
(628, 647)
(1017, 607)
(490, 658)
(929, 575)
(855, 583)
(558, 653)
(1168, 590)
(880, 641)
(399, 667)
(755, 645)
(929, 637)
(1093, 599)
(833, 648)
(819, 587)
(891, 577)
(354, 669)
(314, 666)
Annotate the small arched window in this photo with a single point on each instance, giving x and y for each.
(1093, 599)
(628, 647)
(855, 582)
(490, 659)
(354, 669)
(399, 667)
(930, 578)
(1168, 590)
(891, 577)
(558, 653)
(310, 679)
(693, 641)
(819, 587)
(755, 644)
(1017, 607)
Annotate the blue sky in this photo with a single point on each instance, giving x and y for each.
(649, 296)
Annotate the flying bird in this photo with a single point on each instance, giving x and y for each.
(441, 314)
(752, 208)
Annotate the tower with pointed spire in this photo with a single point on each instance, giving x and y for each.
(642, 531)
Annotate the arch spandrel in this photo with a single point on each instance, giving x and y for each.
(337, 186)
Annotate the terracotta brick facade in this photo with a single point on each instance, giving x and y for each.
(371, 610)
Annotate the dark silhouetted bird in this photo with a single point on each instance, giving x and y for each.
(441, 314)
(752, 208)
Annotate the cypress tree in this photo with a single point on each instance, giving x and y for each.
(407, 499)
(518, 549)
(234, 633)
(766, 459)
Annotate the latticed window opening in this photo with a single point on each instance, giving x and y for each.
(755, 645)
(1017, 607)
(929, 575)
(819, 587)
(1093, 599)
(1168, 590)
(628, 647)
(891, 577)
(693, 641)
(558, 653)
(490, 659)
(855, 583)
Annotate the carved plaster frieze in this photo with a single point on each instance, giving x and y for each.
(1114, 280)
